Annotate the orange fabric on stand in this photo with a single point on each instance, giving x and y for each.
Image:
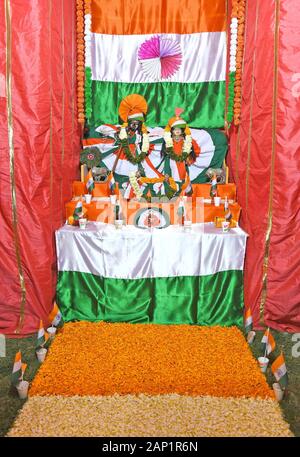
(224, 190)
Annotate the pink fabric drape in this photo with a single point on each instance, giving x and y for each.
(265, 162)
(46, 144)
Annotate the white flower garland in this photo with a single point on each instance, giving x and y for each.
(187, 144)
(135, 185)
(233, 43)
(123, 133)
(145, 143)
(88, 39)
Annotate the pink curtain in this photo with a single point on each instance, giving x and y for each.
(39, 152)
(265, 162)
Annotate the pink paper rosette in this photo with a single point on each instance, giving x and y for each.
(160, 57)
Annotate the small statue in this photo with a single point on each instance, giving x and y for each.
(99, 174)
(219, 173)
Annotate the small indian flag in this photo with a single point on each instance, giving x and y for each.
(89, 182)
(213, 187)
(55, 315)
(78, 211)
(16, 376)
(181, 211)
(248, 322)
(228, 215)
(42, 337)
(279, 370)
(129, 192)
(268, 340)
(112, 183)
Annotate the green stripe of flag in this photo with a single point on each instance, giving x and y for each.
(203, 103)
(206, 300)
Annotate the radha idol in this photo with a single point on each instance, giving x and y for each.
(179, 151)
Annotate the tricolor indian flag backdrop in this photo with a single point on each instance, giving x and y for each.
(172, 53)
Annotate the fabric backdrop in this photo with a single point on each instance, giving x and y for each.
(265, 162)
(39, 152)
(129, 40)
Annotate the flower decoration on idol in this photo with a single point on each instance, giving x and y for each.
(160, 57)
(177, 122)
(135, 185)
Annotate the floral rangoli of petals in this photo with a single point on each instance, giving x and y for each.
(104, 359)
(160, 57)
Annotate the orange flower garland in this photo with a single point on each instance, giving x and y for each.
(239, 12)
(83, 7)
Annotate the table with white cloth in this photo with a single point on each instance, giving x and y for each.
(167, 276)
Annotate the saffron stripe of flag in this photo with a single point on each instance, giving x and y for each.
(201, 16)
(248, 320)
(24, 366)
(279, 370)
(17, 369)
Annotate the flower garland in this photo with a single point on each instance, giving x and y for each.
(239, 62)
(237, 28)
(145, 180)
(80, 60)
(125, 146)
(135, 185)
(88, 59)
(186, 149)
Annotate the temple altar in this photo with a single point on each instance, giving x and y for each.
(165, 276)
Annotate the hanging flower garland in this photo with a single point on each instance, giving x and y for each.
(237, 29)
(186, 149)
(125, 146)
(88, 59)
(80, 59)
(239, 63)
(135, 185)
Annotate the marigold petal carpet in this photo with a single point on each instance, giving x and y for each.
(104, 359)
(117, 379)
